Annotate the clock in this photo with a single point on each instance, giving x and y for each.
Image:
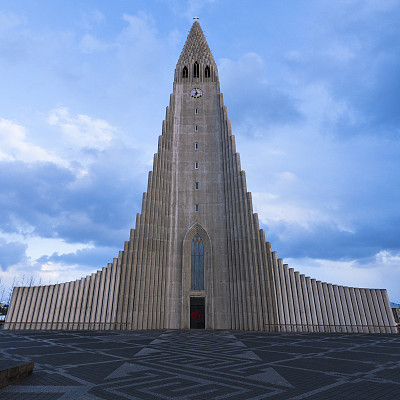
(196, 93)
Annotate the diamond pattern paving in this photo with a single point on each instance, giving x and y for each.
(200, 365)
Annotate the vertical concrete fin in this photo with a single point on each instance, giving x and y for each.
(300, 300)
(19, 316)
(13, 309)
(285, 304)
(278, 292)
(75, 304)
(345, 308)
(26, 307)
(306, 302)
(318, 311)
(371, 311)
(388, 311)
(339, 308)
(312, 304)
(46, 311)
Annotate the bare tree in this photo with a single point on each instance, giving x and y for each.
(2, 292)
(6, 293)
(14, 283)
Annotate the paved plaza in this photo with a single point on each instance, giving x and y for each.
(203, 365)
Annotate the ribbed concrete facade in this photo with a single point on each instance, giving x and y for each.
(197, 257)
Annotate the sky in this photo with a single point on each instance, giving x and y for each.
(312, 89)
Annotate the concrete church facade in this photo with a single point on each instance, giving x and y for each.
(197, 257)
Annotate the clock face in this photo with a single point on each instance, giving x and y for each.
(196, 93)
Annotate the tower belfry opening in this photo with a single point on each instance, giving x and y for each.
(196, 70)
(197, 257)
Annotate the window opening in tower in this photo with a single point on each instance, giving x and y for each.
(196, 70)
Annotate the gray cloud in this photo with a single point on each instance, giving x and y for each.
(97, 257)
(11, 253)
(50, 201)
(251, 99)
(324, 241)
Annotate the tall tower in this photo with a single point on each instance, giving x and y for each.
(197, 224)
(197, 258)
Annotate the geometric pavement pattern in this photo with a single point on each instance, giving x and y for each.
(202, 365)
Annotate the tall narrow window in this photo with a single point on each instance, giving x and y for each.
(197, 186)
(196, 128)
(196, 146)
(185, 72)
(196, 110)
(207, 72)
(197, 208)
(197, 264)
(196, 165)
(196, 70)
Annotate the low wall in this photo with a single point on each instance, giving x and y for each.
(12, 372)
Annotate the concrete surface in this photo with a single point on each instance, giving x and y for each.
(198, 365)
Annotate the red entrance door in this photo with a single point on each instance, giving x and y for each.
(197, 313)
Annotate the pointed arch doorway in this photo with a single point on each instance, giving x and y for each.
(197, 279)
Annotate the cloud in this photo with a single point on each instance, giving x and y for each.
(357, 9)
(286, 176)
(25, 260)
(64, 267)
(140, 40)
(82, 130)
(90, 44)
(324, 196)
(11, 253)
(253, 101)
(37, 246)
(15, 146)
(321, 109)
(342, 146)
(249, 64)
(92, 20)
(15, 41)
(341, 52)
(275, 210)
(195, 7)
(189, 8)
(10, 20)
(52, 201)
(91, 257)
(30, 273)
(32, 194)
(296, 232)
(381, 270)
(352, 56)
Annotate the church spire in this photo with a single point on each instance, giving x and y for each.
(196, 62)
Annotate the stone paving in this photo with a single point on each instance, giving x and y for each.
(201, 365)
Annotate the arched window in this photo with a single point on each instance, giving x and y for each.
(196, 70)
(185, 72)
(197, 282)
(207, 72)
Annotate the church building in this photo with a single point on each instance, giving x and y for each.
(197, 258)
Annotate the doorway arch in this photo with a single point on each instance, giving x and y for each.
(197, 260)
